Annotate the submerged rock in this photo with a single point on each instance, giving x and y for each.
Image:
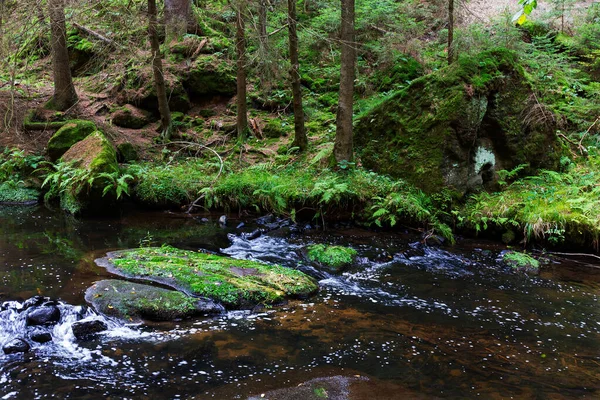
(16, 346)
(234, 283)
(134, 301)
(45, 315)
(456, 127)
(333, 388)
(85, 330)
(521, 262)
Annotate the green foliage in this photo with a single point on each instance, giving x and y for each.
(14, 192)
(335, 257)
(15, 164)
(521, 261)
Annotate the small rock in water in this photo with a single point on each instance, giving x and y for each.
(45, 315)
(240, 225)
(204, 220)
(252, 235)
(223, 221)
(16, 346)
(34, 302)
(85, 330)
(40, 336)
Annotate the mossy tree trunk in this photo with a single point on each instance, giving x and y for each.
(157, 69)
(450, 31)
(240, 45)
(342, 149)
(65, 95)
(300, 139)
(178, 18)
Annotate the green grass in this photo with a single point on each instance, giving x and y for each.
(235, 283)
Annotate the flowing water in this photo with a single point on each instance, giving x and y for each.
(412, 321)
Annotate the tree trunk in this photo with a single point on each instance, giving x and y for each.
(342, 149)
(300, 139)
(178, 18)
(157, 69)
(263, 37)
(240, 45)
(64, 91)
(450, 31)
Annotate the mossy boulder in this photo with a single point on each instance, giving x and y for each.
(521, 262)
(456, 127)
(96, 155)
(70, 133)
(134, 302)
(126, 152)
(211, 76)
(131, 117)
(233, 283)
(334, 258)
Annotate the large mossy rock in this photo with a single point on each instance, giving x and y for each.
(211, 76)
(131, 117)
(134, 302)
(233, 283)
(96, 155)
(71, 133)
(334, 258)
(457, 126)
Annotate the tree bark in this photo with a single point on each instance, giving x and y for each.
(300, 139)
(342, 149)
(450, 31)
(263, 37)
(65, 95)
(157, 70)
(178, 18)
(240, 45)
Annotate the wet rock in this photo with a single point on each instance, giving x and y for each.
(333, 388)
(16, 346)
(240, 225)
(134, 301)
(45, 315)
(252, 235)
(85, 330)
(40, 336)
(520, 262)
(223, 221)
(34, 302)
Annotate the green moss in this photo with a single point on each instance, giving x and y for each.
(235, 283)
(521, 261)
(134, 301)
(70, 133)
(13, 193)
(335, 257)
(127, 152)
(211, 76)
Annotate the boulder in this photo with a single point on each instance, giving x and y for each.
(520, 262)
(72, 132)
(85, 330)
(40, 335)
(44, 315)
(457, 126)
(210, 76)
(131, 117)
(126, 152)
(334, 258)
(234, 283)
(140, 91)
(134, 302)
(96, 155)
(16, 346)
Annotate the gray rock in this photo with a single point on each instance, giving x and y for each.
(85, 330)
(45, 315)
(16, 346)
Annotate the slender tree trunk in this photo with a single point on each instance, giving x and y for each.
(342, 149)
(178, 18)
(240, 45)
(300, 139)
(450, 31)
(157, 69)
(263, 37)
(64, 91)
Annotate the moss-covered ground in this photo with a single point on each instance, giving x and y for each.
(234, 283)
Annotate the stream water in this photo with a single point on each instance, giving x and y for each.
(414, 321)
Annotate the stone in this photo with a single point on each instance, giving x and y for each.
(72, 132)
(16, 346)
(45, 315)
(211, 76)
(135, 302)
(40, 335)
(85, 330)
(126, 152)
(131, 117)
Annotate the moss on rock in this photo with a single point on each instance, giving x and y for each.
(435, 132)
(234, 283)
(70, 133)
(127, 152)
(131, 117)
(521, 262)
(134, 301)
(333, 257)
(211, 76)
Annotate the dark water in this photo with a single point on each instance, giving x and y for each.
(418, 322)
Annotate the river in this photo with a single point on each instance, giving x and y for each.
(406, 321)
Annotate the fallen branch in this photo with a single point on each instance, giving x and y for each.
(278, 30)
(581, 148)
(31, 125)
(96, 35)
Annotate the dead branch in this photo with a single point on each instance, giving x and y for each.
(95, 35)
